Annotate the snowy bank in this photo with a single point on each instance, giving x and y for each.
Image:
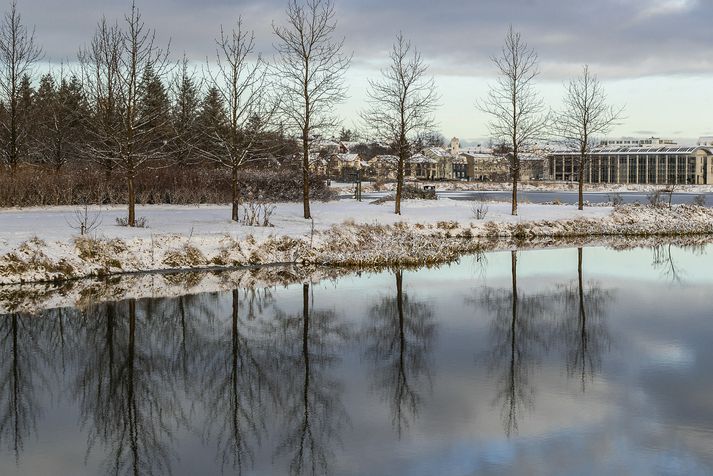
(39, 245)
(84, 293)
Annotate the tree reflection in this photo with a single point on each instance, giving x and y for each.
(312, 408)
(586, 336)
(238, 384)
(517, 335)
(125, 391)
(400, 334)
(21, 358)
(664, 262)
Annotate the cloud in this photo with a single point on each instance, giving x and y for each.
(620, 38)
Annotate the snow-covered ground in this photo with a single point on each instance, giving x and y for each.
(53, 224)
(39, 244)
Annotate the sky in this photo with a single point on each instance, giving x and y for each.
(654, 57)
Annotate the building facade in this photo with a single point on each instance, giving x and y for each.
(670, 164)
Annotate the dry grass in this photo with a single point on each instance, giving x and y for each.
(186, 257)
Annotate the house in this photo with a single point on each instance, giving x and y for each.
(532, 167)
(317, 164)
(443, 160)
(486, 166)
(383, 167)
(339, 165)
(421, 167)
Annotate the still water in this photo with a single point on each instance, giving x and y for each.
(563, 361)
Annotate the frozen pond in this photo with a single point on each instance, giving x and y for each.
(563, 361)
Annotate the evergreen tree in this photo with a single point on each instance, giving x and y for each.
(211, 120)
(154, 108)
(60, 118)
(184, 115)
(26, 123)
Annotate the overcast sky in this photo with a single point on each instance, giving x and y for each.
(654, 56)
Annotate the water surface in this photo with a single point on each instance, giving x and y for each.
(564, 361)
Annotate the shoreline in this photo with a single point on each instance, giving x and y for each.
(85, 291)
(354, 242)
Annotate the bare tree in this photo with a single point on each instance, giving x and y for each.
(517, 112)
(240, 79)
(401, 104)
(585, 114)
(137, 136)
(99, 65)
(311, 66)
(18, 54)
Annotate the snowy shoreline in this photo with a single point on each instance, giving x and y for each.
(38, 244)
(85, 292)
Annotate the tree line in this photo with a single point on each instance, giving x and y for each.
(128, 105)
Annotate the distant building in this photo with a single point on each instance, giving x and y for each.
(634, 142)
(443, 160)
(455, 147)
(485, 166)
(652, 164)
(421, 167)
(383, 167)
(339, 165)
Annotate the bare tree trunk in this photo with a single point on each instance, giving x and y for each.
(580, 173)
(132, 199)
(399, 185)
(305, 177)
(515, 179)
(234, 194)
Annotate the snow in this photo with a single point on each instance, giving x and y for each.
(38, 244)
(52, 224)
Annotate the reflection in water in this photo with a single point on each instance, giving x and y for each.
(664, 262)
(308, 346)
(265, 381)
(237, 385)
(586, 336)
(399, 337)
(125, 391)
(517, 334)
(21, 361)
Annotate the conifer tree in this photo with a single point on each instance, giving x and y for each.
(184, 115)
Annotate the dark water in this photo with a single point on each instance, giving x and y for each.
(534, 364)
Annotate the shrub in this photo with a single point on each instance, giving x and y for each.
(655, 198)
(141, 222)
(616, 199)
(480, 210)
(257, 213)
(417, 193)
(699, 200)
(82, 184)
